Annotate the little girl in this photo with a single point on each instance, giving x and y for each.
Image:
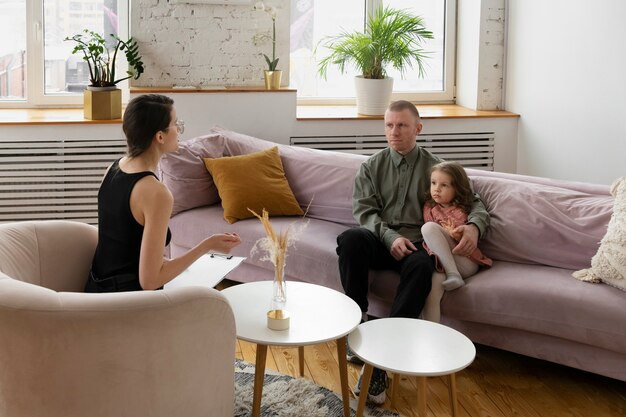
(446, 207)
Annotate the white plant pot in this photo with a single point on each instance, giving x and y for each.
(372, 96)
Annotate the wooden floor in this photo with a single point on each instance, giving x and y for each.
(497, 384)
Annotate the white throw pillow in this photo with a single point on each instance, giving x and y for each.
(608, 265)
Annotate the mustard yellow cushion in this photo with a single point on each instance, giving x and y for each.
(256, 181)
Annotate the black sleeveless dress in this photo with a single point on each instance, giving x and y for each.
(115, 265)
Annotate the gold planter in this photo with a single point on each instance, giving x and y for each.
(103, 104)
(272, 79)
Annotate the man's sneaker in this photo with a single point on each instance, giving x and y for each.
(351, 356)
(378, 386)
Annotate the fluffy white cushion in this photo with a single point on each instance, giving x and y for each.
(608, 265)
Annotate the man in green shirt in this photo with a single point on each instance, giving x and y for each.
(388, 198)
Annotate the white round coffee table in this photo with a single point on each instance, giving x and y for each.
(411, 347)
(317, 315)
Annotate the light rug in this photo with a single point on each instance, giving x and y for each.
(285, 396)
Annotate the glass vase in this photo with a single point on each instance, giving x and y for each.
(279, 290)
(278, 316)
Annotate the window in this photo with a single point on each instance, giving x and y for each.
(36, 64)
(312, 20)
(12, 49)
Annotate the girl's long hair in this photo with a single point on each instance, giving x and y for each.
(464, 196)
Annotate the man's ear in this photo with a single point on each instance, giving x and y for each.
(418, 129)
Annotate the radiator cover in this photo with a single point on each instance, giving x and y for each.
(57, 179)
(472, 150)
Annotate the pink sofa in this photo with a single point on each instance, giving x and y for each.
(527, 303)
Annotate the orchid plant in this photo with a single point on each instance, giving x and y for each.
(271, 10)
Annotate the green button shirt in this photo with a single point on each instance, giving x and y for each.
(389, 194)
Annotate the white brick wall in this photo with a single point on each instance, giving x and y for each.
(205, 44)
(490, 71)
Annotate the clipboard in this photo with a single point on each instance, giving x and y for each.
(208, 271)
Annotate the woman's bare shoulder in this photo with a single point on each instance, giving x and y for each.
(150, 188)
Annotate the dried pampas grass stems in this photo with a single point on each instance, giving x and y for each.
(275, 244)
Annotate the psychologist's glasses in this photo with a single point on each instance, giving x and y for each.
(180, 127)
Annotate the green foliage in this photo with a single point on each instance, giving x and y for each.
(101, 61)
(392, 37)
(271, 64)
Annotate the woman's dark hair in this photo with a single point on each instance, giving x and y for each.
(464, 196)
(143, 118)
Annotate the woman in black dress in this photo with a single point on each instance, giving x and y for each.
(134, 207)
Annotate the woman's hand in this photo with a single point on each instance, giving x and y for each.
(222, 242)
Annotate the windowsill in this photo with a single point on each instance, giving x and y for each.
(46, 116)
(75, 116)
(427, 111)
(212, 89)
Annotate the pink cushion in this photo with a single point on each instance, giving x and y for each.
(554, 223)
(322, 178)
(185, 175)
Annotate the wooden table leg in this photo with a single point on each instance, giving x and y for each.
(421, 396)
(365, 385)
(343, 375)
(259, 374)
(452, 392)
(301, 359)
(395, 382)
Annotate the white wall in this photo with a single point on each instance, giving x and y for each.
(566, 78)
(266, 114)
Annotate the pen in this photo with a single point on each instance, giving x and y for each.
(221, 255)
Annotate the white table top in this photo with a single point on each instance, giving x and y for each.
(412, 347)
(317, 314)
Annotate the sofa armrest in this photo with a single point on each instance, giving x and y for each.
(55, 254)
(160, 353)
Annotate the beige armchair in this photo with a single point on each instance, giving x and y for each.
(67, 353)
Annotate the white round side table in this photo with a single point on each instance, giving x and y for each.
(317, 315)
(411, 347)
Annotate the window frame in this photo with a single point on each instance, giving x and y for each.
(35, 69)
(447, 95)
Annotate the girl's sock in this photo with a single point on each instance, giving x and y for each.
(452, 282)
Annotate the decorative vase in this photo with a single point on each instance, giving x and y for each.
(102, 103)
(373, 96)
(272, 79)
(278, 316)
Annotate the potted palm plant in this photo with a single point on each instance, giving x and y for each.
(393, 38)
(102, 98)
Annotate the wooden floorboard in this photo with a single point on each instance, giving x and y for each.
(497, 384)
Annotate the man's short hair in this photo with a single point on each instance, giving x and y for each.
(404, 105)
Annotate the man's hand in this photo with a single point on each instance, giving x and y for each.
(468, 241)
(401, 247)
